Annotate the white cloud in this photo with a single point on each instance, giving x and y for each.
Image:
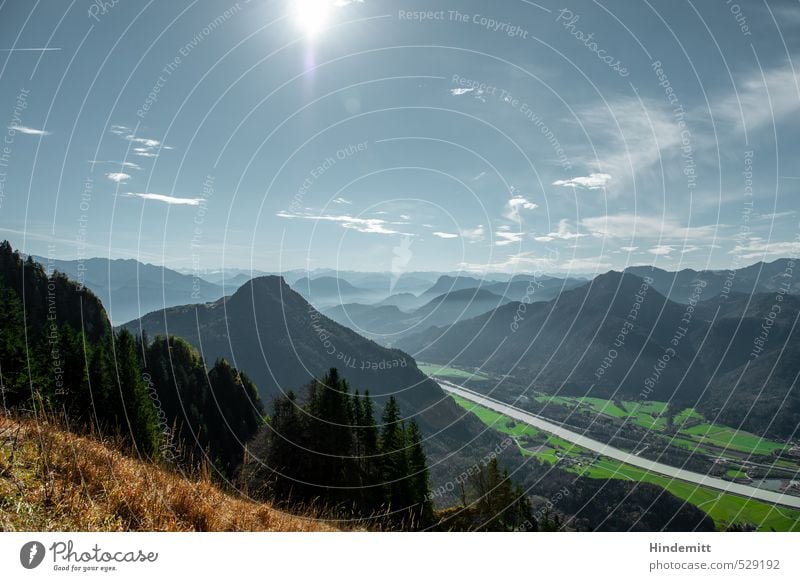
(760, 97)
(365, 225)
(563, 233)
(631, 136)
(122, 164)
(118, 177)
(504, 236)
(595, 264)
(172, 200)
(147, 147)
(594, 181)
(515, 205)
(627, 226)
(25, 130)
(479, 176)
(477, 234)
(461, 91)
(756, 247)
(629, 248)
(445, 235)
(143, 141)
(661, 250)
(341, 201)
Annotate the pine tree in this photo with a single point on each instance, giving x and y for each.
(395, 461)
(138, 408)
(419, 480)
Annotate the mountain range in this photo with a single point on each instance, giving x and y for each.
(732, 355)
(282, 342)
(129, 289)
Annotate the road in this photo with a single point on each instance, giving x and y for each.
(617, 454)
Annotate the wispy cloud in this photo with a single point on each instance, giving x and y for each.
(516, 205)
(446, 235)
(477, 234)
(144, 146)
(504, 236)
(342, 201)
(461, 91)
(756, 247)
(563, 233)
(118, 177)
(594, 181)
(760, 97)
(25, 130)
(172, 200)
(123, 164)
(632, 136)
(365, 225)
(661, 250)
(627, 226)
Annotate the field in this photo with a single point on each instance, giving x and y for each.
(725, 509)
(691, 431)
(446, 372)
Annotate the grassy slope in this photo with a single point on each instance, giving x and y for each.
(723, 508)
(51, 480)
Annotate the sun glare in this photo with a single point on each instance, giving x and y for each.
(311, 16)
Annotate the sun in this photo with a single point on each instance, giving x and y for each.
(311, 16)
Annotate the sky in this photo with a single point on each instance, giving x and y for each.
(377, 135)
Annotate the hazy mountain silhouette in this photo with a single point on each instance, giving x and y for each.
(275, 336)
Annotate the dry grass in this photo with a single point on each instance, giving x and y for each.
(52, 480)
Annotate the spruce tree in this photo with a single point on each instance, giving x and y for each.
(419, 480)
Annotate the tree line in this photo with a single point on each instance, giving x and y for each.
(325, 448)
(59, 354)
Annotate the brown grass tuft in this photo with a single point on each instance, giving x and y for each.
(53, 480)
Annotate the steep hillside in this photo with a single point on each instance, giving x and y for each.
(281, 342)
(53, 480)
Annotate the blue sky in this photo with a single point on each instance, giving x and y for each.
(503, 136)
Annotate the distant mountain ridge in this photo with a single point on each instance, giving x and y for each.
(129, 289)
